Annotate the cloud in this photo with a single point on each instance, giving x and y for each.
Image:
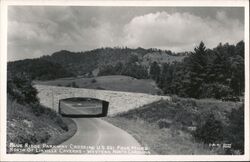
(181, 31)
(37, 31)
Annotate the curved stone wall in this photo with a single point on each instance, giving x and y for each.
(119, 102)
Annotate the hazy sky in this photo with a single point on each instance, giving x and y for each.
(36, 31)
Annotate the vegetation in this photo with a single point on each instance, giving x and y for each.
(235, 129)
(28, 121)
(69, 64)
(155, 71)
(72, 84)
(206, 73)
(200, 122)
(113, 82)
(211, 131)
(20, 88)
(130, 69)
(165, 141)
(38, 69)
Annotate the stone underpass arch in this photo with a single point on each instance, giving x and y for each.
(104, 108)
(119, 102)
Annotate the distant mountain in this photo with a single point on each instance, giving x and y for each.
(66, 64)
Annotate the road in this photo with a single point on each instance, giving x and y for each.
(96, 136)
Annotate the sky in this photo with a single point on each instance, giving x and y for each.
(34, 31)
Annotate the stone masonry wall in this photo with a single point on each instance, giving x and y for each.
(118, 101)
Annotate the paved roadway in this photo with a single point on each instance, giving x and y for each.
(97, 133)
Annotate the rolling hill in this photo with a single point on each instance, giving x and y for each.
(81, 63)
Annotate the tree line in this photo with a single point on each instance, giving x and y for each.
(206, 73)
(131, 68)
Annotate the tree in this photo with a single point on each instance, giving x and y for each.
(20, 88)
(133, 59)
(240, 47)
(205, 73)
(155, 71)
(237, 75)
(118, 67)
(166, 77)
(197, 67)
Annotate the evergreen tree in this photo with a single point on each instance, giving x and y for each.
(197, 67)
(155, 71)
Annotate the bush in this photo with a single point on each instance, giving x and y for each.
(235, 129)
(39, 110)
(24, 137)
(42, 137)
(215, 90)
(61, 124)
(209, 132)
(100, 88)
(19, 87)
(93, 81)
(74, 85)
(163, 123)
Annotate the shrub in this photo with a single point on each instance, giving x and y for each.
(235, 129)
(211, 131)
(74, 85)
(93, 81)
(163, 123)
(61, 124)
(175, 98)
(42, 137)
(215, 90)
(100, 88)
(39, 110)
(19, 87)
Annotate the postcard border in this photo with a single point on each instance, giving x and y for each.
(180, 3)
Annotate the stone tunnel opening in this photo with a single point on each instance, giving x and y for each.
(78, 107)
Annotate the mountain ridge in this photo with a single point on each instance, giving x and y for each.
(82, 63)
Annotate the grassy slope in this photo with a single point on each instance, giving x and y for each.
(23, 126)
(159, 141)
(115, 82)
(143, 124)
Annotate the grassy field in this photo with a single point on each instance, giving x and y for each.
(166, 127)
(114, 82)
